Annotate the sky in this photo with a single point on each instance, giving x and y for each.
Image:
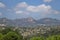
(30, 8)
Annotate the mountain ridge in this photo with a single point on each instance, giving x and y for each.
(29, 21)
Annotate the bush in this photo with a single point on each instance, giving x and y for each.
(55, 37)
(1, 36)
(11, 36)
(37, 38)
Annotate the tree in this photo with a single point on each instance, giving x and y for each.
(37, 38)
(6, 30)
(55, 37)
(1, 36)
(12, 36)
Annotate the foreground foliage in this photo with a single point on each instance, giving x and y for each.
(10, 34)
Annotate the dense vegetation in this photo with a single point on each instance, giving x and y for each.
(8, 33)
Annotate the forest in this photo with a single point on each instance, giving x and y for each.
(13, 33)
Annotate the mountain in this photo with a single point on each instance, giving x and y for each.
(25, 21)
(6, 21)
(29, 21)
(50, 21)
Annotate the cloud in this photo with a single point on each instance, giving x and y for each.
(2, 5)
(39, 8)
(22, 12)
(19, 12)
(47, 0)
(56, 12)
(42, 9)
(22, 4)
(32, 9)
(0, 13)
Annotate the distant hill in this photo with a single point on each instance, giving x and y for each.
(48, 21)
(29, 21)
(25, 21)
